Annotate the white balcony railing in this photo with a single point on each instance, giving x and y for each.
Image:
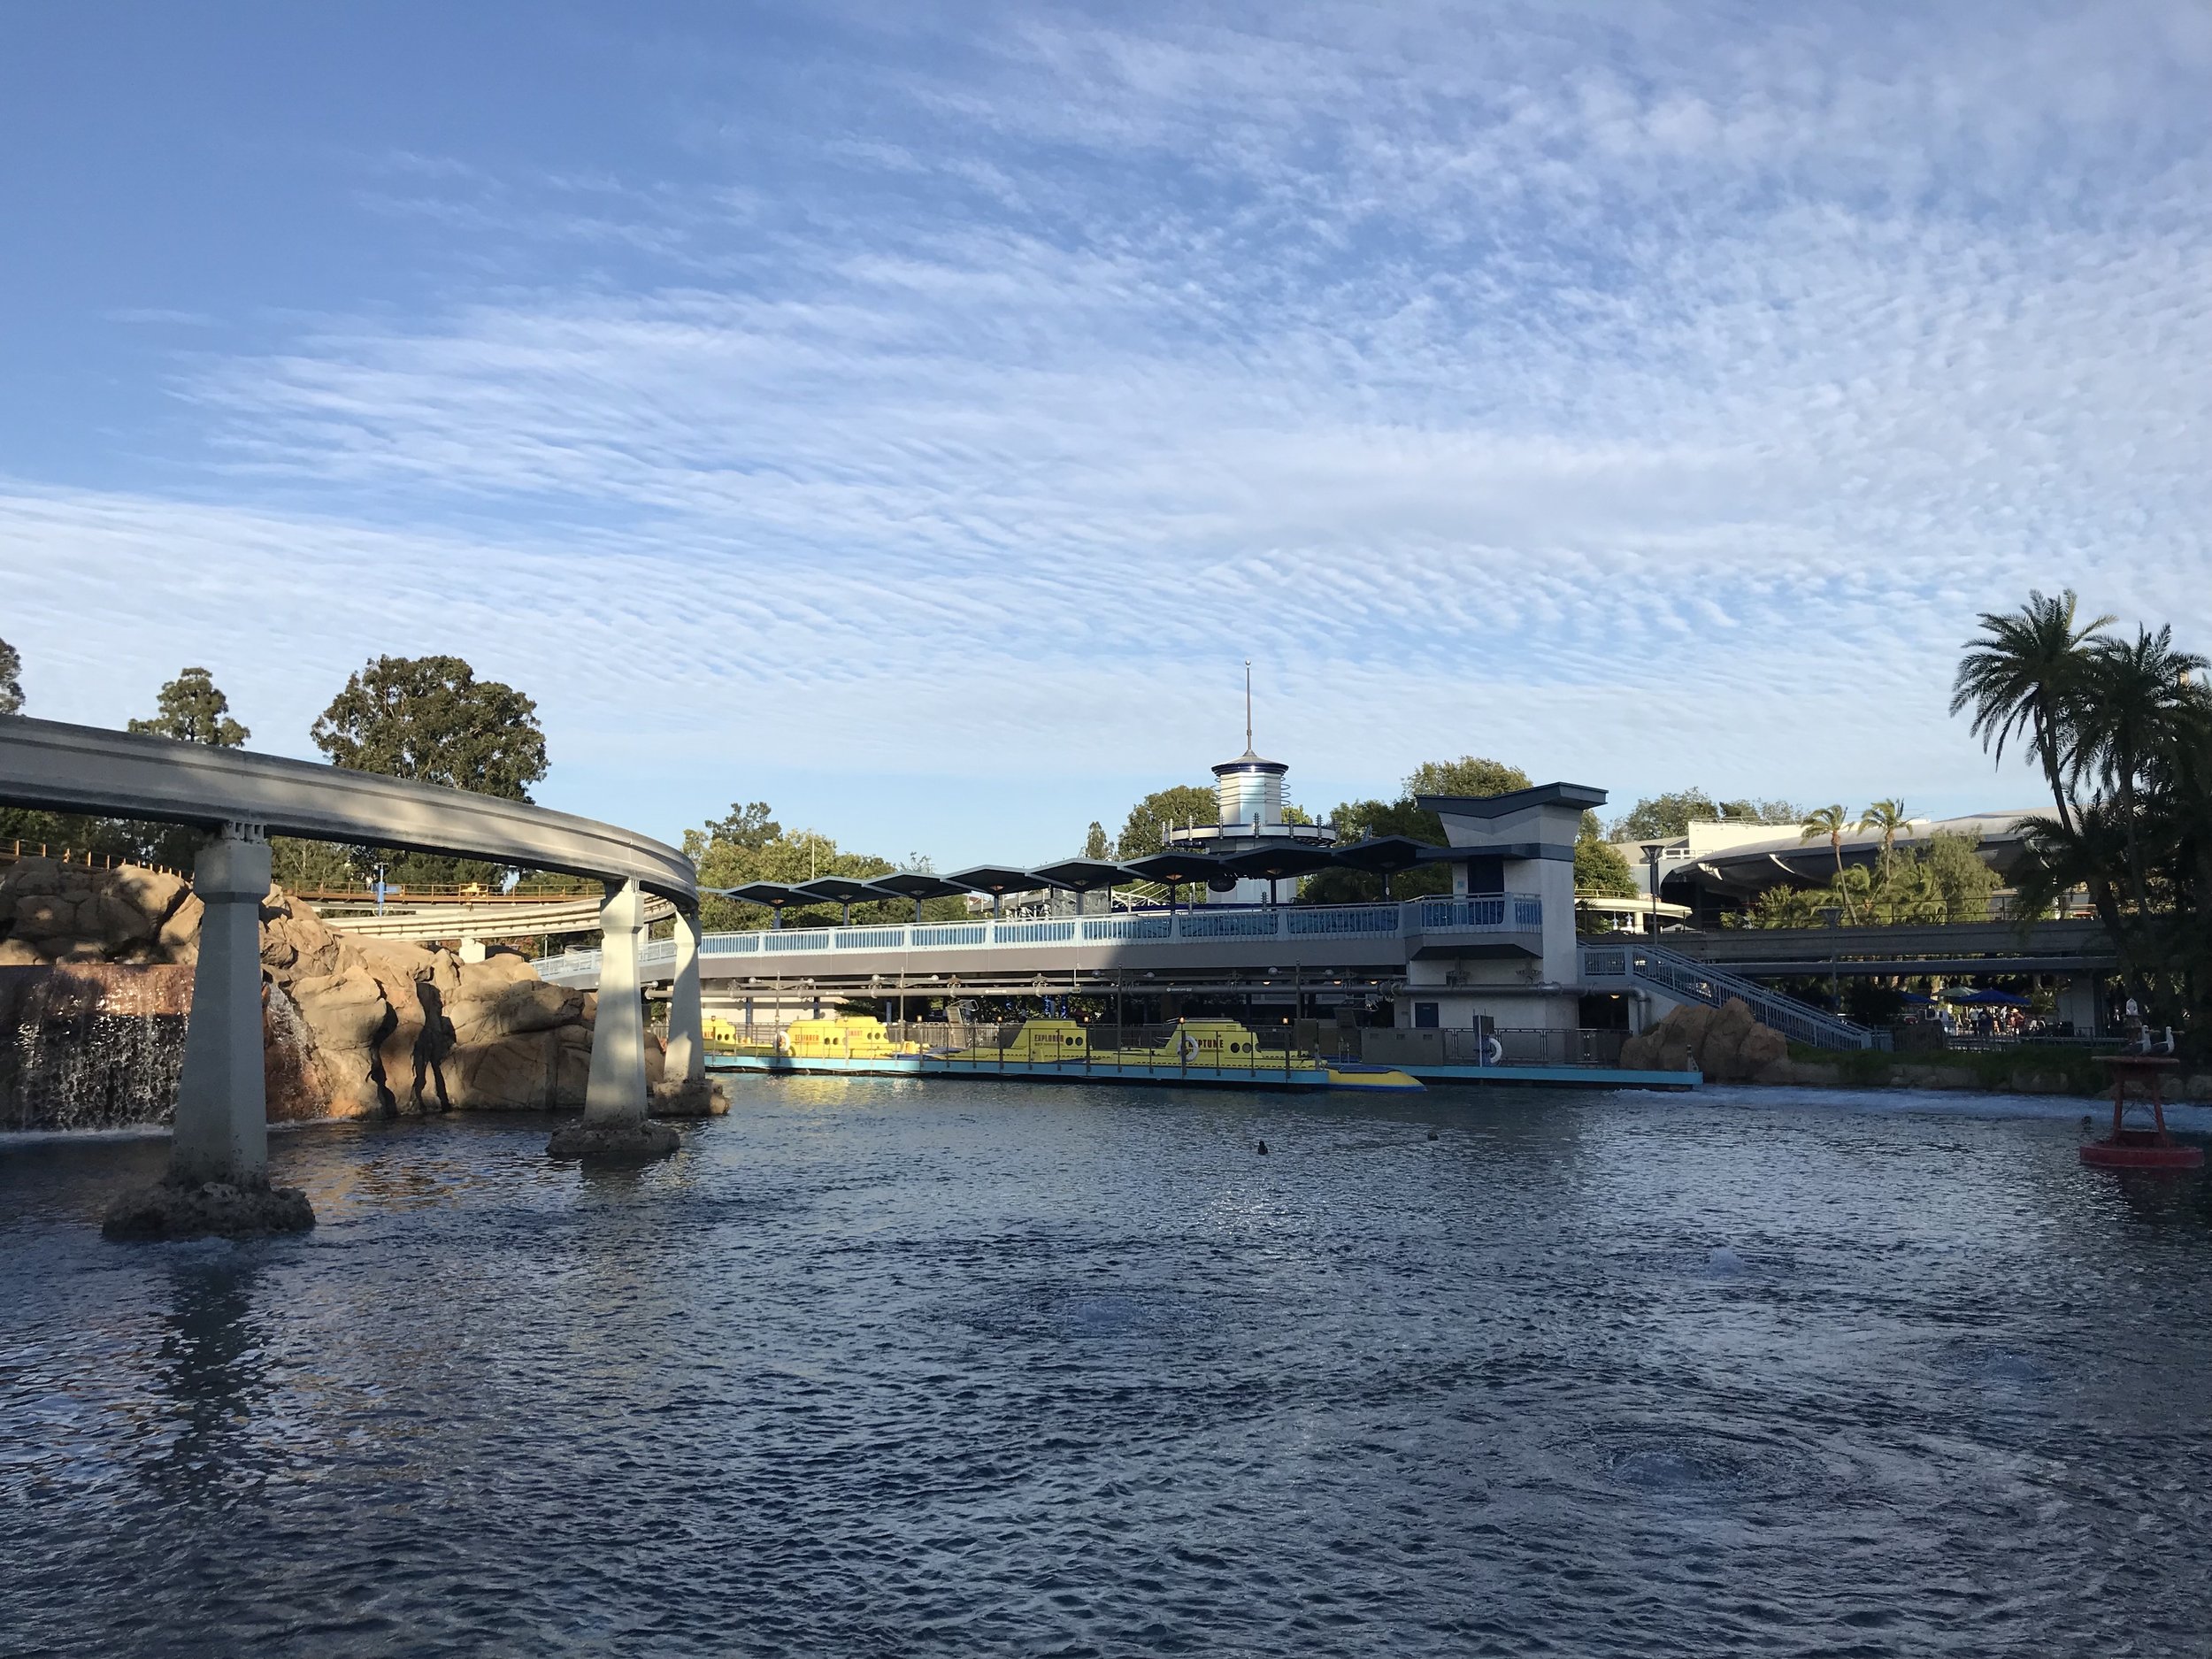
(1494, 913)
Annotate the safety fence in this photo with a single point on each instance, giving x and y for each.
(77, 857)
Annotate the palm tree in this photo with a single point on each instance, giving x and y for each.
(1888, 816)
(1831, 821)
(2024, 676)
(2136, 704)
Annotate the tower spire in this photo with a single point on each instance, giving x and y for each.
(1247, 706)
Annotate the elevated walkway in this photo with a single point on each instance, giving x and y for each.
(2074, 946)
(1312, 939)
(1679, 979)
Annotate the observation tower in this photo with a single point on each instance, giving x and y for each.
(1250, 818)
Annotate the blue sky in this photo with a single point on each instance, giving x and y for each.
(914, 415)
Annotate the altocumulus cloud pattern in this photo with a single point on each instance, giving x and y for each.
(1617, 391)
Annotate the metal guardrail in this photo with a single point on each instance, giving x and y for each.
(76, 857)
(1509, 912)
(1699, 982)
(1482, 914)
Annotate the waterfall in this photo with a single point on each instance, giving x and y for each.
(90, 1046)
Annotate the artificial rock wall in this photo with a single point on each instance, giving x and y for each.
(96, 984)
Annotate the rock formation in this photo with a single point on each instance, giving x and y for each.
(53, 912)
(356, 1027)
(1727, 1044)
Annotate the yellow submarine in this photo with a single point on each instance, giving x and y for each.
(858, 1037)
(1195, 1050)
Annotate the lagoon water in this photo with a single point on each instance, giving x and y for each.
(972, 1369)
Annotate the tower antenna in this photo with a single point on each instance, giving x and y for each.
(1248, 705)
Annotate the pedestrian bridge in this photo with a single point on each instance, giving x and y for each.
(240, 799)
(1206, 940)
(1367, 945)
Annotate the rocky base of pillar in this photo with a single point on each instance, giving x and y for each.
(638, 1141)
(174, 1209)
(702, 1097)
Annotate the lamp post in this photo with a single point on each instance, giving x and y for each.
(1651, 880)
(1829, 915)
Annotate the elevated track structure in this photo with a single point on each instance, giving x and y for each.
(240, 799)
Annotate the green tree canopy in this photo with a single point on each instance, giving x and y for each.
(1665, 817)
(1944, 879)
(105, 837)
(431, 719)
(1359, 820)
(749, 826)
(748, 845)
(1094, 842)
(1182, 803)
(1600, 869)
(1468, 775)
(193, 710)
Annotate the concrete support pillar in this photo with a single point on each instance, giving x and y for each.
(686, 1026)
(615, 1126)
(2078, 1001)
(222, 1122)
(616, 1091)
(219, 1157)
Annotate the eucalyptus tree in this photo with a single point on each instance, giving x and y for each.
(192, 708)
(431, 718)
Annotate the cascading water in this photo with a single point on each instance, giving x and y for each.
(90, 1047)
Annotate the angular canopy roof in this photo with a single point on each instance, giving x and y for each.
(1581, 796)
(1081, 875)
(1273, 863)
(761, 893)
(1381, 855)
(1178, 869)
(914, 884)
(837, 889)
(995, 880)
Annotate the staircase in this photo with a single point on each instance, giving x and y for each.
(1685, 980)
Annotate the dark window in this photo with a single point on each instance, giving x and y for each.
(1424, 1015)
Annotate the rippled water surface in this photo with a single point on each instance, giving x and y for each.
(893, 1369)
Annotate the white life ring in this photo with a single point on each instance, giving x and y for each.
(1492, 1052)
(1185, 1046)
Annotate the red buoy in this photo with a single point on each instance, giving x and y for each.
(2144, 1150)
(2150, 1148)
